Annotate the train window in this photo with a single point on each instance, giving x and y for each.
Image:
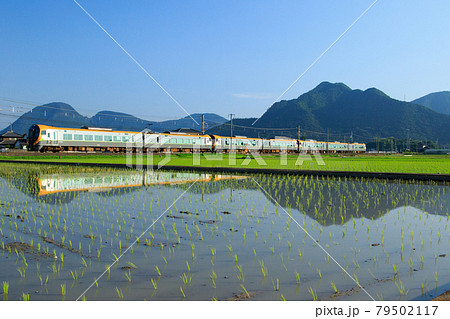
(88, 137)
(78, 137)
(116, 138)
(124, 138)
(67, 137)
(98, 138)
(108, 138)
(43, 132)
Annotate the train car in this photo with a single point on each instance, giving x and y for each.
(359, 147)
(240, 143)
(339, 147)
(182, 142)
(310, 146)
(279, 144)
(331, 147)
(48, 138)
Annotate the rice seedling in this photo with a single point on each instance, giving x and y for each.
(312, 293)
(5, 285)
(186, 278)
(63, 290)
(158, 271)
(213, 277)
(333, 286)
(188, 267)
(119, 293)
(182, 292)
(154, 283)
(401, 288)
(297, 278)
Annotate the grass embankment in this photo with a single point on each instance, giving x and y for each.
(426, 164)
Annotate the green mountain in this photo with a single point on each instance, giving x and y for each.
(438, 101)
(367, 114)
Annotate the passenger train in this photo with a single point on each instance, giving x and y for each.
(45, 138)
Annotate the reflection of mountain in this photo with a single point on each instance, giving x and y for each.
(333, 201)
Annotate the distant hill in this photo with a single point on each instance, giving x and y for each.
(118, 121)
(56, 113)
(336, 107)
(438, 101)
(211, 120)
(63, 115)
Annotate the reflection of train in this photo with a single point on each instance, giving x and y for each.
(47, 138)
(105, 181)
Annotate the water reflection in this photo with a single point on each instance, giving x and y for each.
(104, 182)
(326, 200)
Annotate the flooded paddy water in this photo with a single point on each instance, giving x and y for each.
(227, 237)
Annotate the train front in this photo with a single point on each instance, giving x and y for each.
(34, 136)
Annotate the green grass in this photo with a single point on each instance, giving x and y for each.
(431, 164)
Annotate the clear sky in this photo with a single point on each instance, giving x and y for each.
(215, 56)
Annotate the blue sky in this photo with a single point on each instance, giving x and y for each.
(215, 56)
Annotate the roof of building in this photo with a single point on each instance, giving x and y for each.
(11, 134)
(8, 142)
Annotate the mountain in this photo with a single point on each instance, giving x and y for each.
(56, 113)
(211, 120)
(341, 110)
(118, 121)
(63, 115)
(438, 101)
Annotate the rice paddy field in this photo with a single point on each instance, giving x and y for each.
(397, 163)
(71, 233)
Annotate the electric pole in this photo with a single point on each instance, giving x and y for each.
(378, 145)
(203, 124)
(231, 131)
(328, 137)
(351, 137)
(408, 142)
(298, 132)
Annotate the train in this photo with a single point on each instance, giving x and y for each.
(44, 138)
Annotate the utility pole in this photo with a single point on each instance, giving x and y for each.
(328, 137)
(378, 146)
(203, 124)
(298, 132)
(408, 142)
(231, 131)
(351, 137)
